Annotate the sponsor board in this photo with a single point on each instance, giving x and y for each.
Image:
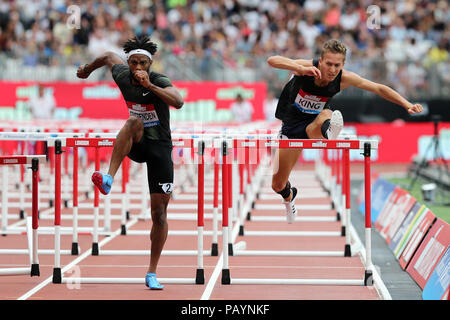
(430, 251)
(407, 228)
(437, 287)
(394, 217)
(381, 192)
(416, 238)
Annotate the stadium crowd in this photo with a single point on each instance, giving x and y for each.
(403, 43)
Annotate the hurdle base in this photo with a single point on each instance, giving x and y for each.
(338, 216)
(343, 231)
(214, 250)
(241, 230)
(74, 250)
(35, 270)
(123, 230)
(230, 249)
(347, 251)
(200, 276)
(57, 278)
(226, 276)
(127, 215)
(95, 249)
(368, 278)
(21, 214)
(249, 217)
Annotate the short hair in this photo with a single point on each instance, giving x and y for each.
(334, 46)
(142, 42)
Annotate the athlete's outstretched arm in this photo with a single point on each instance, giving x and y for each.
(299, 67)
(107, 59)
(352, 79)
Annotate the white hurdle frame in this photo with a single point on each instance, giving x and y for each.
(345, 145)
(33, 224)
(99, 142)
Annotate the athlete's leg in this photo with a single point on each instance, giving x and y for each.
(285, 160)
(158, 235)
(130, 133)
(314, 129)
(326, 125)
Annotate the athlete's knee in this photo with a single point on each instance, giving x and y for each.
(134, 124)
(135, 127)
(326, 113)
(159, 215)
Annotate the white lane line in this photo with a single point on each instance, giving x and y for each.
(74, 262)
(217, 270)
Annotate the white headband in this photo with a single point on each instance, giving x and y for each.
(139, 51)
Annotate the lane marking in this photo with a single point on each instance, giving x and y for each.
(74, 262)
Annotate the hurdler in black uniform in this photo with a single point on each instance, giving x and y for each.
(155, 147)
(301, 101)
(145, 136)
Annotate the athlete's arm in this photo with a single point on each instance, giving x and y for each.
(300, 67)
(169, 94)
(352, 79)
(107, 59)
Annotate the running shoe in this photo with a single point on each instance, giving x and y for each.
(152, 282)
(291, 211)
(102, 181)
(336, 125)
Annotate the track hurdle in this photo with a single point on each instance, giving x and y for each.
(199, 278)
(366, 279)
(74, 143)
(21, 160)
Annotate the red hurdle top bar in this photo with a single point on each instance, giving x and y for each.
(12, 160)
(109, 142)
(90, 142)
(298, 143)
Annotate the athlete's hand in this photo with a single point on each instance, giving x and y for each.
(82, 72)
(308, 71)
(414, 108)
(141, 76)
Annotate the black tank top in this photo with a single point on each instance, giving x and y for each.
(301, 99)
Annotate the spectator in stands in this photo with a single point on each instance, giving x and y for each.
(270, 105)
(241, 109)
(248, 29)
(42, 105)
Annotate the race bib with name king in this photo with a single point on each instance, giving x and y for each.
(145, 112)
(309, 103)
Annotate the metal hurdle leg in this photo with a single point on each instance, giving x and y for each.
(368, 277)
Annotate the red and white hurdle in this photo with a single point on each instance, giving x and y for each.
(6, 161)
(345, 145)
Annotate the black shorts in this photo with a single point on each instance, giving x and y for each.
(296, 130)
(158, 157)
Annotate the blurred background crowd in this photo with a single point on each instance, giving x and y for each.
(405, 46)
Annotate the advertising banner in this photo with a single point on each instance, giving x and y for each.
(437, 287)
(394, 217)
(430, 251)
(416, 238)
(381, 192)
(205, 101)
(407, 228)
(395, 203)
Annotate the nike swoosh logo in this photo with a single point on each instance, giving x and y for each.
(144, 94)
